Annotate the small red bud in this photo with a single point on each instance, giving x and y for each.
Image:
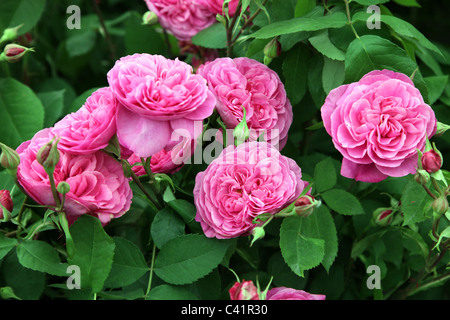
(304, 205)
(14, 52)
(5, 201)
(244, 290)
(431, 161)
(383, 216)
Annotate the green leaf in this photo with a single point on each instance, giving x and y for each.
(414, 201)
(53, 102)
(213, 37)
(136, 32)
(165, 226)
(408, 3)
(6, 244)
(128, 265)
(402, 28)
(295, 67)
(371, 52)
(322, 43)
(16, 12)
(371, 2)
(303, 7)
(188, 258)
(325, 176)
(342, 202)
(8, 293)
(169, 292)
(305, 23)
(21, 112)
(333, 74)
(444, 234)
(41, 256)
(436, 86)
(299, 251)
(184, 208)
(94, 251)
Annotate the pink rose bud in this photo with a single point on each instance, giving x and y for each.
(383, 216)
(5, 201)
(9, 158)
(149, 18)
(431, 161)
(48, 154)
(304, 205)
(13, 52)
(244, 290)
(273, 48)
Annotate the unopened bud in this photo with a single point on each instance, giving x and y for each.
(48, 155)
(431, 161)
(63, 187)
(244, 290)
(422, 177)
(440, 205)
(10, 34)
(241, 131)
(9, 159)
(13, 52)
(272, 50)
(383, 216)
(304, 206)
(149, 18)
(257, 233)
(5, 201)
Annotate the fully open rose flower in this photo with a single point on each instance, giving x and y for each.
(185, 18)
(377, 124)
(158, 97)
(283, 293)
(91, 127)
(98, 185)
(242, 183)
(244, 82)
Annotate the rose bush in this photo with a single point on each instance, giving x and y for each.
(162, 155)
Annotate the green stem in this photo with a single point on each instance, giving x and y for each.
(150, 277)
(347, 10)
(53, 187)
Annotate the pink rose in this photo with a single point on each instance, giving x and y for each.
(377, 124)
(216, 6)
(158, 97)
(91, 127)
(242, 183)
(246, 82)
(283, 293)
(98, 185)
(184, 19)
(244, 290)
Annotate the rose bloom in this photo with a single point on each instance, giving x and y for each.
(185, 18)
(98, 185)
(158, 97)
(91, 127)
(242, 183)
(283, 293)
(244, 290)
(377, 124)
(244, 82)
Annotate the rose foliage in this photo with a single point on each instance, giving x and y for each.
(211, 149)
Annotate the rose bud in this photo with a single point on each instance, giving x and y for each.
(440, 205)
(272, 50)
(304, 205)
(244, 290)
(383, 217)
(149, 18)
(9, 159)
(431, 161)
(5, 201)
(9, 34)
(48, 155)
(422, 177)
(241, 131)
(13, 52)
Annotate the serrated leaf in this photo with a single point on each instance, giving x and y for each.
(128, 265)
(188, 258)
(333, 74)
(342, 202)
(322, 43)
(16, 12)
(165, 226)
(94, 251)
(6, 244)
(169, 292)
(295, 67)
(325, 176)
(414, 201)
(21, 112)
(213, 37)
(40, 256)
